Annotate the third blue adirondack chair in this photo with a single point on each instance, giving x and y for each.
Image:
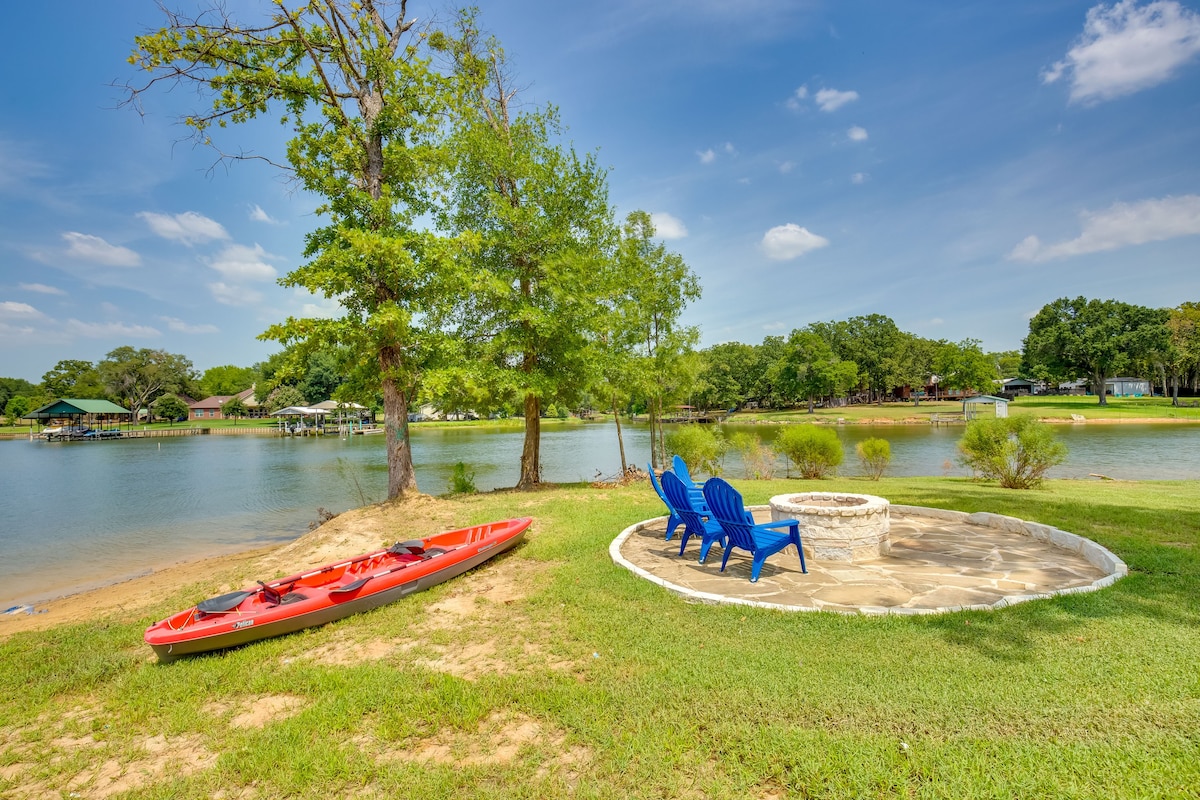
(696, 521)
(681, 469)
(675, 520)
(759, 540)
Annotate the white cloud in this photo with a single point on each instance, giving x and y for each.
(859, 178)
(40, 288)
(258, 215)
(786, 167)
(14, 310)
(707, 156)
(793, 102)
(86, 247)
(774, 326)
(234, 295)
(189, 227)
(102, 330)
(1125, 48)
(667, 226)
(1121, 225)
(179, 326)
(729, 148)
(785, 242)
(857, 134)
(237, 262)
(831, 99)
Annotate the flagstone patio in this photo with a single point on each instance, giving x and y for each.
(939, 561)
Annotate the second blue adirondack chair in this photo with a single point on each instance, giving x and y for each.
(681, 469)
(674, 521)
(696, 521)
(761, 540)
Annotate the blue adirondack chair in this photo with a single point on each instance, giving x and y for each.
(695, 490)
(696, 522)
(675, 520)
(759, 540)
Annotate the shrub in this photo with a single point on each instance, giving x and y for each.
(462, 479)
(1016, 451)
(757, 459)
(700, 446)
(816, 452)
(875, 455)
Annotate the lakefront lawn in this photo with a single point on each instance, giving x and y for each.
(1052, 408)
(552, 672)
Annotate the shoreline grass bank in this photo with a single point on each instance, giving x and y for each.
(553, 672)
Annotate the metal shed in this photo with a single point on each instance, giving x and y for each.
(971, 406)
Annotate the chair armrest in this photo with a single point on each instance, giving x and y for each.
(779, 523)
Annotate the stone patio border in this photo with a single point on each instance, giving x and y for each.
(1098, 556)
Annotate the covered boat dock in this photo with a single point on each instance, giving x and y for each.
(82, 419)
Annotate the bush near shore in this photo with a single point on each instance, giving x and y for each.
(551, 672)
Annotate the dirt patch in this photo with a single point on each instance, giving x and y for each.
(480, 593)
(156, 757)
(499, 739)
(345, 652)
(257, 712)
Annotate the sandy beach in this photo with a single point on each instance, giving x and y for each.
(348, 534)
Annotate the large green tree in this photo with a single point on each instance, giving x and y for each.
(540, 210)
(226, 379)
(651, 306)
(1182, 355)
(12, 387)
(135, 377)
(74, 378)
(1094, 339)
(810, 370)
(964, 365)
(882, 352)
(727, 375)
(350, 79)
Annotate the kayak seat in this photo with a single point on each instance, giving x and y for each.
(222, 603)
(433, 551)
(412, 546)
(292, 597)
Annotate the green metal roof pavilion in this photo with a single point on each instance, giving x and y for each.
(70, 407)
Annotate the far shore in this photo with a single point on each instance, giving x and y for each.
(793, 417)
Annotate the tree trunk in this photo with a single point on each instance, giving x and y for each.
(401, 477)
(654, 449)
(1174, 389)
(1099, 379)
(530, 452)
(620, 439)
(662, 436)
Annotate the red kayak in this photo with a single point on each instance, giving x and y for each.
(330, 592)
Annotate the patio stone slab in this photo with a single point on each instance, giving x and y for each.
(939, 561)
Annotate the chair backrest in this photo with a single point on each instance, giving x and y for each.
(725, 503)
(681, 469)
(658, 488)
(681, 501)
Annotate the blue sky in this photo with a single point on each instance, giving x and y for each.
(953, 166)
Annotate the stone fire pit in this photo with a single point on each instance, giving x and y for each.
(836, 526)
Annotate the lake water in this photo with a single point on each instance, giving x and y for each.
(77, 514)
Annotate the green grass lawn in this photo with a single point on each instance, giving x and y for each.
(592, 683)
